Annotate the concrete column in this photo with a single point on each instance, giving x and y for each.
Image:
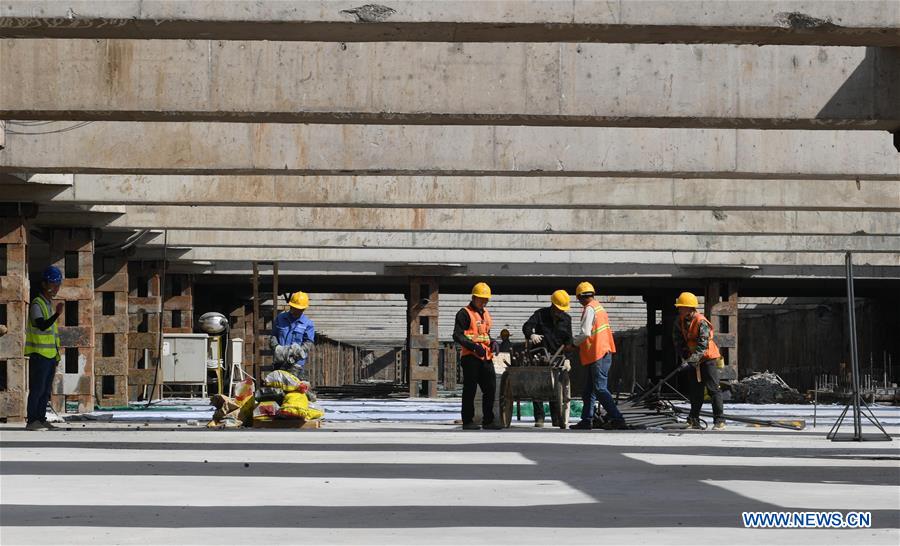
(144, 306)
(72, 250)
(111, 330)
(14, 291)
(422, 341)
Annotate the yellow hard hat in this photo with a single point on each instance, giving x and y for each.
(584, 288)
(686, 299)
(481, 290)
(300, 300)
(560, 299)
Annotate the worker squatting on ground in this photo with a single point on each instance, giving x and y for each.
(595, 350)
(42, 349)
(293, 335)
(693, 337)
(550, 327)
(472, 331)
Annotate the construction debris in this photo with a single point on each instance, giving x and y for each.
(765, 388)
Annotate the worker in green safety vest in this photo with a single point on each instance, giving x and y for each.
(42, 348)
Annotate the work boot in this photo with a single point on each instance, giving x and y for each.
(539, 423)
(47, 425)
(720, 425)
(34, 425)
(493, 426)
(615, 424)
(471, 426)
(582, 425)
(694, 423)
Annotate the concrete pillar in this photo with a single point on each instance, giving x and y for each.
(111, 330)
(14, 292)
(422, 340)
(654, 340)
(72, 250)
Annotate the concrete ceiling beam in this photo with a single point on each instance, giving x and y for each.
(577, 84)
(283, 240)
(515, 257)
(523, 220)
(874, 22)
(294, 149)
(461, 191)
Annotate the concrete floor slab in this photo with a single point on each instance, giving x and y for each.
(318, 489)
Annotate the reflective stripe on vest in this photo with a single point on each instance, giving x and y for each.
(42, 342)
(479, 332)
(600, 342)
(693, 332)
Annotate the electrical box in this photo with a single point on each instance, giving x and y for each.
(184, 358)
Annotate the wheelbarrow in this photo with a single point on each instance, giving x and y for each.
(537, 375)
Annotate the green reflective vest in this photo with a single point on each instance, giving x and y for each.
(42, 342)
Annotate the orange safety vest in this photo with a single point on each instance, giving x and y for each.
(479, 332)
(690, 337)
(600, 342)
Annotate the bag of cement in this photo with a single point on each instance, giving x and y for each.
(266, 411)
(243, 390)
(224, 405)
(296, 406)
(283, 380)
(269, 394)
(245, 414)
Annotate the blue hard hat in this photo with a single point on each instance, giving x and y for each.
(53, 275)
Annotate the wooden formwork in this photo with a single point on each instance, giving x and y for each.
(422, 341)
(145, 303)
(111, 327)
(72, 251)
(14, 291)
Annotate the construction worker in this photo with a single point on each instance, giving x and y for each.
(693, 337)
(42, 349)
(550, 327)
(505, 344)
(595, 349)
(293, 335)
(472, 331)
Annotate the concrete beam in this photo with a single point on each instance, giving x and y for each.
(874, 22)
(494, 84)
(239, 148)
(624, 276)
(463, 191)
(524, 241)
(511, 257)
(499, 221)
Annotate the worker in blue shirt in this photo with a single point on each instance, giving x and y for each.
(293, 335)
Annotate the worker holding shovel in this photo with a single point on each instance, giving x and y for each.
(693, 337)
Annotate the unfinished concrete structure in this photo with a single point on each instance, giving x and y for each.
(735, 149)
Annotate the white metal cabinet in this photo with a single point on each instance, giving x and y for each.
(184, 358)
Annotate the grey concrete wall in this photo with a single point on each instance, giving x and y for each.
(243, 148)
(507, 83)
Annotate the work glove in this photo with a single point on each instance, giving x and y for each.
(273, 342)
(480, 352)
(536, 339)
(567, 366)
(684, 365)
